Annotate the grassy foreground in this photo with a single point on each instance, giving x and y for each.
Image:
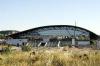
(52, 57)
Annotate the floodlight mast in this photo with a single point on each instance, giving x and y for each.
(75, 30)
(75, 33)
(74, 37)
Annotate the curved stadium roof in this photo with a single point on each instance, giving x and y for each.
(92, 35)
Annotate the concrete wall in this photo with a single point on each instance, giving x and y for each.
(83, 42)
(98, 44)
(2, 41)
(16, 41)
(21, 41)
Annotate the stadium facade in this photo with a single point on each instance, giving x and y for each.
(53, 35)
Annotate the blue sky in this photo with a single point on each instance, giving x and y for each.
(25, 14)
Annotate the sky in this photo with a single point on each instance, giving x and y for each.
(26, 14)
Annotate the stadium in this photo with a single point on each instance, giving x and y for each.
(53, 35)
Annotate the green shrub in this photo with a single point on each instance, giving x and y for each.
(92, 42)
(26, 47)
(6, 50)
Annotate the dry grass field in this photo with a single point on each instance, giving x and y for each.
(52, 57)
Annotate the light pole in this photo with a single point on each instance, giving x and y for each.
(74, 37)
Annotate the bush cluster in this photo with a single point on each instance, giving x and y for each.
(6, 50)
(26, 47)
